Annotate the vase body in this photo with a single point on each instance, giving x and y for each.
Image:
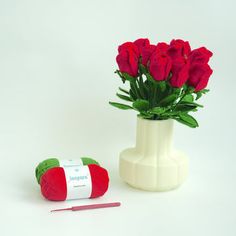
(153, 164)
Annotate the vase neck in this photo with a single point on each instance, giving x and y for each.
(154, 138)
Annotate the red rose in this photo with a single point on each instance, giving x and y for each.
(199, 75)
(127, 59)
(200, 55)
(145, 49)
(162, 47)
(179, 51)
(179, 48)
(140, 43)
(129, 45)
(160, 65)
(180, 72)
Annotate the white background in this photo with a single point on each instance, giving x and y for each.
(57, 60)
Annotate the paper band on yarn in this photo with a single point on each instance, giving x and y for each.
(78, 181)
(70, 163)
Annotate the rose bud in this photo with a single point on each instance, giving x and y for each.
(180, 72)
(200, 55)
(127, 59)
(160, 66)
(179, 48)
(199, 75)
(145, 50)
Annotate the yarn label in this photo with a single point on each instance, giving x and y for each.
(70, 163)
(78, 180)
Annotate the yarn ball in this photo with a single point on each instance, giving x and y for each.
(54, 187)
(54, 162)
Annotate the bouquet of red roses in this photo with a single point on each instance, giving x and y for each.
(165, 80)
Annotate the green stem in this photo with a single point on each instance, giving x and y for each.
(155, 95)
(184, 93)
(134, 88)
(150, 93)
(174, 105)
(141, 86)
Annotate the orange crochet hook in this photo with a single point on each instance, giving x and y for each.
(89, 207)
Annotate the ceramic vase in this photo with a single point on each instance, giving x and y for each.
(153, 164)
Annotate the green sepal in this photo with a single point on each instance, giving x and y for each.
(162, 86)
(204, 91)
(190, 89)
(201, 92)
(129, 77)
(150, 78)
(142, 69)
(120, 75)
(176, 91)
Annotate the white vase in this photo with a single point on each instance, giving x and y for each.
(153, 164)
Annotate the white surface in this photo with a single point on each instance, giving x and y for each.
(153, 164)
(57, 60)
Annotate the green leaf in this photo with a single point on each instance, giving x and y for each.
(185, 107)
(145, 115)
(129, 77)
(126, 98)
(123, 90)
(168, 100)
(157, 110)
(141, 105)
(170, 114)
(190, 103)
(186, 119)
(120, 105)
(188, 98)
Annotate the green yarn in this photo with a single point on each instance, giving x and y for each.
(54, 162)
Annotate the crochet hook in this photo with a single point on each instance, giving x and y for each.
(89, 207)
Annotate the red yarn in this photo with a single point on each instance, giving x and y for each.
(100, 179)
(54, 188)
